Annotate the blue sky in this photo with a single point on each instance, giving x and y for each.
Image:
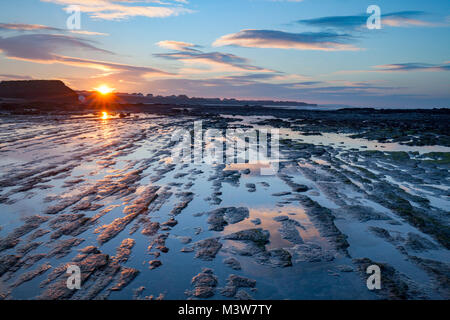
(310, 50)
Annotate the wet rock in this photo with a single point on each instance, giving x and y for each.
(281, 218)
(281, 194)
(246, 171)
(124, 250)
(31, 223)
(228, 291)
(438, 271)
(64, 247)
(203, 292)
(86, 205)
(363, 213)
(170, 223)
(204, 283)
(243, 295)
(37, 234)
(234, 282)
(231, 176)
(257, 250)
(278, 258)
(163, 249)
(154, 264)
(240, 282)
(137, 293)
(89, 250)
(9, 263)
(289, 231)
(324, 218)
(205, 278)
(28, 276)
(232, 263)
(207, 249)
(395, 285)
(300, 188)
(345, 268)
(73, 182)
(110, 231)
(310, 252)
(385, 234)
(258, 236)
(185, 240)
(187, 249)
(140, 206)
(8, 243)
(187, 197)
(126, 276)
(31, 260)
(420, 218)
(150, 229)
(416, 242)
(219, 218)
(26, 248)
(93, 267)
(69, 225)
(256, 221)
(251, 187)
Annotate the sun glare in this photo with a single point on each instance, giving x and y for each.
(104, 89)
(104, 115)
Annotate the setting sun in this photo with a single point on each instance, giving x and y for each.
(104, 89)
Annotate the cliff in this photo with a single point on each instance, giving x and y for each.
(38, 90)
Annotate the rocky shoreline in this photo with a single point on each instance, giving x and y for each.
(107, 196)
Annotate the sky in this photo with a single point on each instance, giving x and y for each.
(317, 51)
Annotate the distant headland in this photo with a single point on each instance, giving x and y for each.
(37, 90)
(55, 91)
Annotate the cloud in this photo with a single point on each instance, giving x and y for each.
(405, 19)
(118, 10)
(88, 33)
(412, 66)
(26, 27)
(14, 77)
(44, 46)
(393, 19)
(23, 27)
(216, 61)
(323, 41)
(178, 45)
(49, 48)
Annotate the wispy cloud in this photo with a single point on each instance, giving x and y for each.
(323, 41)
(14, 77)
(412, 66)
(393, 19)
(23, 27)
(178, 45)
(217, 61)
(50, 48)
(118, 10)
(26, 27)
